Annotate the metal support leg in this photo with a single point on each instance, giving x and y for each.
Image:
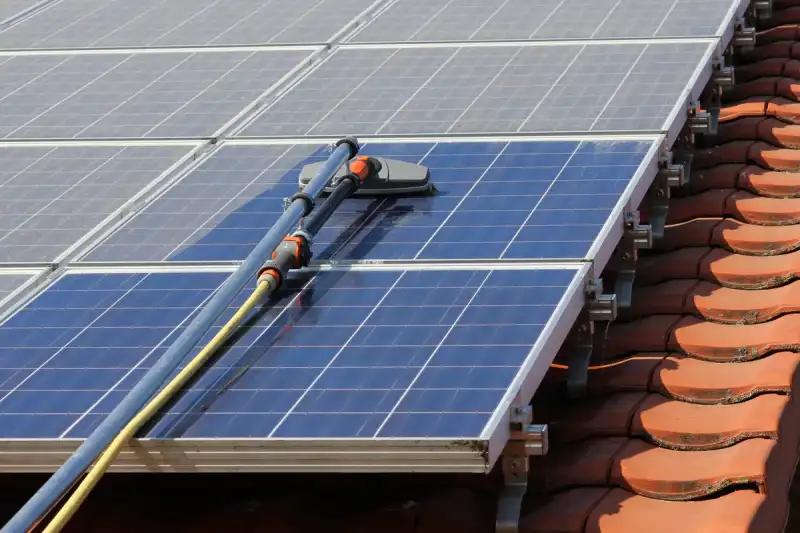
(525, 440)
(636, 237)
(588, 336)
(580, 348)
(682, 155)
(669, 175)
(722, 76)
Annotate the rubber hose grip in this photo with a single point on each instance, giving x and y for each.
(351, 143)
(308, 200)
(276, 275)
(353, 179)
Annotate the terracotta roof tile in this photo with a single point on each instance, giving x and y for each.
(691, 423)
(751, 178)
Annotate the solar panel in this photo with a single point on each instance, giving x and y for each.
(337, 355)
(50, 197)
(152, 23)
(505, 20)
(500, 200)
(422, 317)
(488, 89)
(133, 95)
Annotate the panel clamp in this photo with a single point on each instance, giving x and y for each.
(700, 121)
(602, 307)
(723, 75)
(525, 440)
(744, 36)
(762, 9)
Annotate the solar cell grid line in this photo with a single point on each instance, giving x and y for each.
(371, 72)
(498, 10)
(420, 90)
(416, 379)
(526, 222)
(666, 17)
(460, 203)
(552, 88)
(404, 354)
(619, 87)
(511, 20)
(149, 84)
(160, 23)
(85, 84)
(535, 200)
(484, 89)
(122, 95)
(294, 407)
(52, 197)
(18, 380)
(608, 15)
(69, 312)
(129, 377)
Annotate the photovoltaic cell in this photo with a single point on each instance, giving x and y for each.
(154, 23)
(11, 282)
(133, 95)
(531, 200)
(51, 197)
(487, 89)
(340, 354)
(468, 20)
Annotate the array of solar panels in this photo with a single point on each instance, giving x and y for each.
(146, 140)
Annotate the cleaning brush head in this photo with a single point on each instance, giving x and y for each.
(394, 178)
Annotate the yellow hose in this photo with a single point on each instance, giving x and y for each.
(100, 467)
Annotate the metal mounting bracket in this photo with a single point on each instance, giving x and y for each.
(601, 307)
(525, 440)
(762, 9)
(635, 237)
(702, 121)
(744, 37)
(723, 75)
(669, 175)
(672, 170)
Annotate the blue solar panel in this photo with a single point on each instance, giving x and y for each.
(357, 354)
(500, 200)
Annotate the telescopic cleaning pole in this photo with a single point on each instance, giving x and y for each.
(301, 205)
(295, 250)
